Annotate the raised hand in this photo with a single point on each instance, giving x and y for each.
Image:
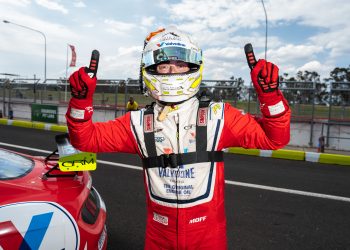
(83, 85)
(266, 80)
(265, 76)
(83, 81)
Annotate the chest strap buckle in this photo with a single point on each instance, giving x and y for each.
(167, 160)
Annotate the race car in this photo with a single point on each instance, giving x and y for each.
(42, 207)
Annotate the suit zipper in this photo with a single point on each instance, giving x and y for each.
(177, 172)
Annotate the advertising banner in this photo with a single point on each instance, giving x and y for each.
(44, 113)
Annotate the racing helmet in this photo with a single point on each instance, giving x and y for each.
(171, 45)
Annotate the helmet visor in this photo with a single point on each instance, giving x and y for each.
(172, 53)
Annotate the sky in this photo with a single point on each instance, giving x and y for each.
(309, 35)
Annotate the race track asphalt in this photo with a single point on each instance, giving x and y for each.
(257, 217)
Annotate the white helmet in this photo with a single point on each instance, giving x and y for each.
(165, 45)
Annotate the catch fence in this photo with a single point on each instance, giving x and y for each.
(309, 103)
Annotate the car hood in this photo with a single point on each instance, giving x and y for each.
(36, 186)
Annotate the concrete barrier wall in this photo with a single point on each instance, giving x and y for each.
(300, 135)
(300, 132)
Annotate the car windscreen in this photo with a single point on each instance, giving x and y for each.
(13, 165)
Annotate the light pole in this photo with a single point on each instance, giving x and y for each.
(5, 21)
(262, 2)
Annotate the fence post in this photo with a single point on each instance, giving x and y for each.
(329, 113)
(35, 88)
(248, 111)
(116, 100)
(235, 91)
(59, 93)
(4, 98)
(312, 113)
(9, 101)
(41, 94)
(125, 94)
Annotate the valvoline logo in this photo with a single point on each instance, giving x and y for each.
(37, 225)
(162, 44)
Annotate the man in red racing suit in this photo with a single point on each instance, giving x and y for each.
(181, 142)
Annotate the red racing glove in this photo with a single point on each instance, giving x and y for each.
(82, 89)
(265, 79)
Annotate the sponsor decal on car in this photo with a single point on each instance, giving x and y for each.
(37, 225)
(82, 161)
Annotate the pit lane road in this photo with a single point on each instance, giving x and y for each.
(270, 203)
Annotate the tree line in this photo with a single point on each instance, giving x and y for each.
(303, 88)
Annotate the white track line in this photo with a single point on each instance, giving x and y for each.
(289, 191)
(235, 183)
(26, 148)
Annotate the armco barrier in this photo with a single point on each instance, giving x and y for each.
(36, 125)
(288, 154)
(330, 158)
(294, 155)
(281, 153)
(244, 151)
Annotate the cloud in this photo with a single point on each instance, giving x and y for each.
(220, 14)
(118, 27)
(88, 25)
(222, 63)
(24, 48)
(52, 30)
(18, 3)
(220, 27)
(291, 52)
(249, 14)
(336, 40)
(225, 22)
(291, 58)
(124, 64)
(123, 51)
(206, 37)
(147, 21)
(79, 4)
(224, 70)
(318, 67)
(327, 14)
(222, 54)
(52, 5)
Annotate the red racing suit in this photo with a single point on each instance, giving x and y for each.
(185, 205)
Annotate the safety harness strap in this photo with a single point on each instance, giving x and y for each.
(148, 131)
(175, 160)
(201, 127)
